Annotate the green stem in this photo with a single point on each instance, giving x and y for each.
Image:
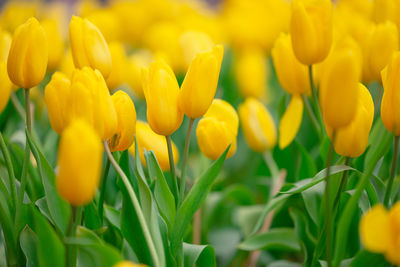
(315, 98)
(343, 182)
(184, 162)
(311, 115)
(172, 168)
(269, 160)
(136, 205)
(11, 174)
(69, 258)
(392, 173)
(103, 189)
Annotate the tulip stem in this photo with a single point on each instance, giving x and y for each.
(103, 189)
(311, 115)
(269, 160)
(392, 172)
(343, 183)
(136, 205)
(184, 162)
(172, 168)
(315, 97)
(10, 170)
(69, 257)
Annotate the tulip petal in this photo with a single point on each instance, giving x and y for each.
(374, 229)
(290, 122)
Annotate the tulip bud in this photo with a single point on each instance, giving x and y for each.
(258, 125)
(119, 64)
(79, 161)
(136, 62)
(5, 86)
(200, 83)
(339, 84)
(252, 73)
(161, 90)
(291, 121)
(217, 130)
(292, 75)
(126, 115)
(27, 60)
(311, 30)
(90, 100)
(391, 95)
(56, 94)
(352, 140)
(54, 41)
(5, 45)
(147, 139)
(88, 46)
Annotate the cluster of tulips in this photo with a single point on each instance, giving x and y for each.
(328, 58)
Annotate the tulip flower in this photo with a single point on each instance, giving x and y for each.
(217, 130)
(386, 10)
(107, 22)
(292, 75)
(126, 115)
(79, 161)
(88, 46)
(291, 121)
(137, 61)
(200, 83)
(128, 264)
(258, 125)
(5, 86)
(27, 60)
(54, 41)
(352, 140)
(147, 139)
(390, 111)
(193, 43)
(119, 64)
(251, 71)
(380, 231)
(56, 94)
(161, 90)
(311, 30)
(5, 45)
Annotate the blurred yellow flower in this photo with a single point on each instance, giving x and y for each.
(193, 43)
(15, 13)
(5, 45)
(118, 72)
(5, 86)
(107, 22)
(128, 264)
(54, 41)
(290, 121)
(135, 63)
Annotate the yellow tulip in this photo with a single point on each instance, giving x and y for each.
(67, 63)
(291, 121)
(137, 61)
(56, 94)
(128, 264)
(5, 86)
(5, 45)
(390, 111)
(79, 161)
(27, 60)
(147, 139)
(90, 100)
(88, 46)
(217, 130)
(200, 83)
(192, 43)
(258, 125)
(15, 13)
(119, 63)
(54, 41)
(339, 84)
(386, 10)
(126, 114)
(311, 30)
(352, 140)
(251, 71)
(107, 22)
(161, 90)
(292, 75)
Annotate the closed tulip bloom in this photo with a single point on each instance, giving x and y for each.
(200, 83)
(390, 111)
(79, 161)
(292, 75)
(88, 46)
(223, 111)
(339, 84)
(5, 86)
(251, 73)
(192, 43)
(56, 95)
(291, 121)
(119, 65)
(161, 90)
(27, 60)
(311, 30)
(126, 115)
(54, 41)
(352, 140)
(258, 125)
(147, 139)
(5, 45)
(136, 62)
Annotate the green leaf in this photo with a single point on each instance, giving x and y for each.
(92, 218)
(193, 201)
(377, 138)
(276, 239)
(306, 165)
(199, 255)
(365, 258)
(28, 241)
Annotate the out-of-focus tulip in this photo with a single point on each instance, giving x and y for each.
(292, 75)
(128, 264)
(126, 114)
(352, 140)
(137, 61)
(200, 83)
(67, 63)
(258, 125)
(390, 111)
(291, 121)
(149, 140)
(119, 64)
(15, 13)
(5, 45)
(5, 86)
(56, 95)
(27, 60)
(88, 46)
(217, 130)
(54, 42)
(339, 84)
(386, 10)
(107, 22)
(194, 42)
(79, 161)
(251, 73)
(89, 99)
(161, 90)
(311, 30)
